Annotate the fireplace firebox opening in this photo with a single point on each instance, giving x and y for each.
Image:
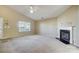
(65, 36)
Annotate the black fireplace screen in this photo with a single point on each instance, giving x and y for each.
(65, 36)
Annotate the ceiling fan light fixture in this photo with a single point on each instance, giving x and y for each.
(31, 11)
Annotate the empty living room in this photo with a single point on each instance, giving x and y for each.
(39, 28)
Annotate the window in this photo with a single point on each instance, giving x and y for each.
(24, 26)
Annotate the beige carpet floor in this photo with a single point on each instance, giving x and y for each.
(36, 44)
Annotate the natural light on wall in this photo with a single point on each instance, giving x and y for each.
(24, 26)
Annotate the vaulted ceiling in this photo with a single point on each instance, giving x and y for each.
(40, 12)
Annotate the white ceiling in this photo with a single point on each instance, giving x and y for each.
(42, 11)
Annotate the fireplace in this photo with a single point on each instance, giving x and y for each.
(65, 36)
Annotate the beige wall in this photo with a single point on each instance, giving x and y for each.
(68, 18)
(77, 29)
(47, 27)
(13, 17)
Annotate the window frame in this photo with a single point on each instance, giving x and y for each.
(20, 28)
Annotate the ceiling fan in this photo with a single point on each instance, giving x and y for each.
(33, 8)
